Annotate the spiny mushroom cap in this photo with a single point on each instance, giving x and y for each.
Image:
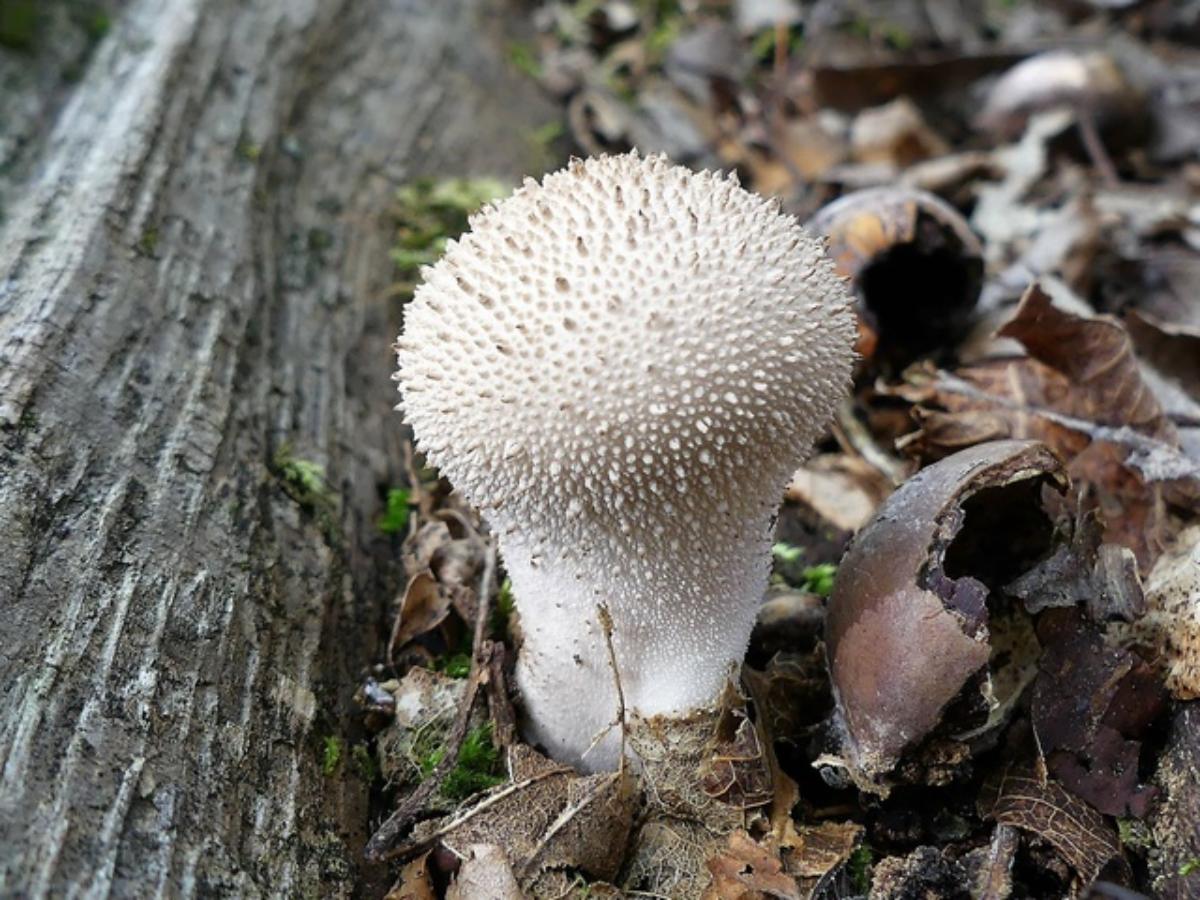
(625, 335)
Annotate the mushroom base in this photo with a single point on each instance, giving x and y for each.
(680, 628)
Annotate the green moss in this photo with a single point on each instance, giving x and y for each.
(96, 24)
(249, 151)
(786, 553)
(456, 665)
(148, 242)
(429, 212)
(476, 769)
(395, 517)
(503, 610)
(303, 479)
(365, 763)
(19, 24)
(524, 59)
(1191, 867)
(819, 579)
(859, 867)
(1134, 834)
(332, 750)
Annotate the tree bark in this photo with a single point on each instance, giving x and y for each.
(193, 273)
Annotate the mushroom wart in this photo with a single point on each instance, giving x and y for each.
(621, 366)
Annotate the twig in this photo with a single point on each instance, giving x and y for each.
(565, 818)
(482, 806)
(379, 847)
(606, 624)
(1095, 148)
(504, 717)
(424, 502)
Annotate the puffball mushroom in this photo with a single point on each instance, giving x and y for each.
(621, 366)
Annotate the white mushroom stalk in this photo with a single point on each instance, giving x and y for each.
(621, 367)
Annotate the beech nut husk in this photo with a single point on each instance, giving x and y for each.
(914, 263)
(907, 623)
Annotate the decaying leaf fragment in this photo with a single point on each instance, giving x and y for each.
(1091, 707)
(907, 626)
(1042, 807)
(746, 870)
(547, 817)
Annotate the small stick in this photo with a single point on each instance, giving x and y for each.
(606, 623)
(1095, 148)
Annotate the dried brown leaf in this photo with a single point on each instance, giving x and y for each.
(746, 870)
(415, 882)
(813, 851)
(1082, 393)
(485, 874)
(1091, 707)
(736, 772)
(424, 607)
(546, 817)
(844, 490)
(1096, 357)
(1080, 834)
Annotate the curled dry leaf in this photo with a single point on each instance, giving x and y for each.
(415, 882)
(844, 490)
(424, 607)
(484, 875)
(895, 134)
(1081, 392)
(1082, 836)
(889, 239)
(907, 624)
(747, 870)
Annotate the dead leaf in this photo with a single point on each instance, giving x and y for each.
(484, 875)
(844, 490)
(1091, 707)
(736, 772)
(811, 852)
(746, 870)
(1080, 834)
(415, 882)
(1081, 392)
(424, 607)
(895, 134)
(1096, 357)
(546, 817)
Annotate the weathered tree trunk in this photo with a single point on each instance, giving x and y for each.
(193, 263)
